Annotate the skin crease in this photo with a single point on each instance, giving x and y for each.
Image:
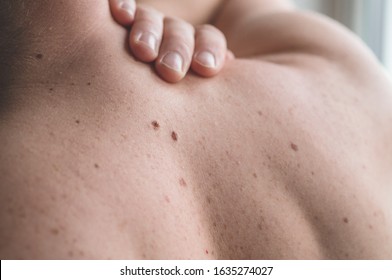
(284, 155)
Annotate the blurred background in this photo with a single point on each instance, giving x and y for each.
(369, 19)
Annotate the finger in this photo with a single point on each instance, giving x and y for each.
(146, 34)
(210, 51)
(123, 11)
(176, 51)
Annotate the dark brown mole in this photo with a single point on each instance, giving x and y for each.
(294, 147)
(51, 89)
(182, 182)
(54, 231)
(96, 165)
(174, 136)
(345, 220)
(155, 125)
(77, 121)
(39, 56)
(89, 84)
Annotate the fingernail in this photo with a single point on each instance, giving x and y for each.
(174, 61)
(127, 7)
(148, 39)
(206, 59)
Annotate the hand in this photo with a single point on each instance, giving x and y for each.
(173, 44)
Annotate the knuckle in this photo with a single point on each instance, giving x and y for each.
(177, 23)
(208, 28)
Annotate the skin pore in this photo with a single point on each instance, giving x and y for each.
(284, 155)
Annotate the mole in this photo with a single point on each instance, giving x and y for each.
(182, 182)
(77, 121)
(89, 84)
(96, 165)
(294, 147)
(39, 56)
(206, 252)
(255, 175)
(54, 231)
(155, 125)
(51, 89)
(260, 113)
(345, 220)
(174, 136)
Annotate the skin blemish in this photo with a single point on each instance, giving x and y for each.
(259, 227)
(77, 121)
(167, 199)
(208, 199)
(155, 125)
(370, 227)
(39, 56)
(174, 136)
(182, 182)
(54, 231)
(51, 89)
(345, 220)
(254, 175)
(260, 113)
(89, 84)
(206, 252)
(294, 147)
(70, 254)
(96, 165)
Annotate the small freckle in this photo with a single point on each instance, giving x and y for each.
(39, 56)
(259, 113)
(254, 175)
(370, 227)
(174, 136)
(182, 182)
(208, 199)
(51, 89)
(72, 84)
(89, 84)
(312, 173)
(316, 218)
(70, 254)
(155, 125)
(77, 121)
(214, 224)
(206, 252)
(259, 227)
(54, 231)
(167, 199)
(294, 147)
(345, 220)
(96, 165)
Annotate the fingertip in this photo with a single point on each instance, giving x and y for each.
(171, 67)
(123, 11)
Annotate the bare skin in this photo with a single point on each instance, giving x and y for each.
(284, 155)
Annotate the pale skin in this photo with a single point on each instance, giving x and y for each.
(284, 154)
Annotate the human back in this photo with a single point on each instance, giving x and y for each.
(267, 160)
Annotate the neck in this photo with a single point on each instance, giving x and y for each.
(45, 36)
